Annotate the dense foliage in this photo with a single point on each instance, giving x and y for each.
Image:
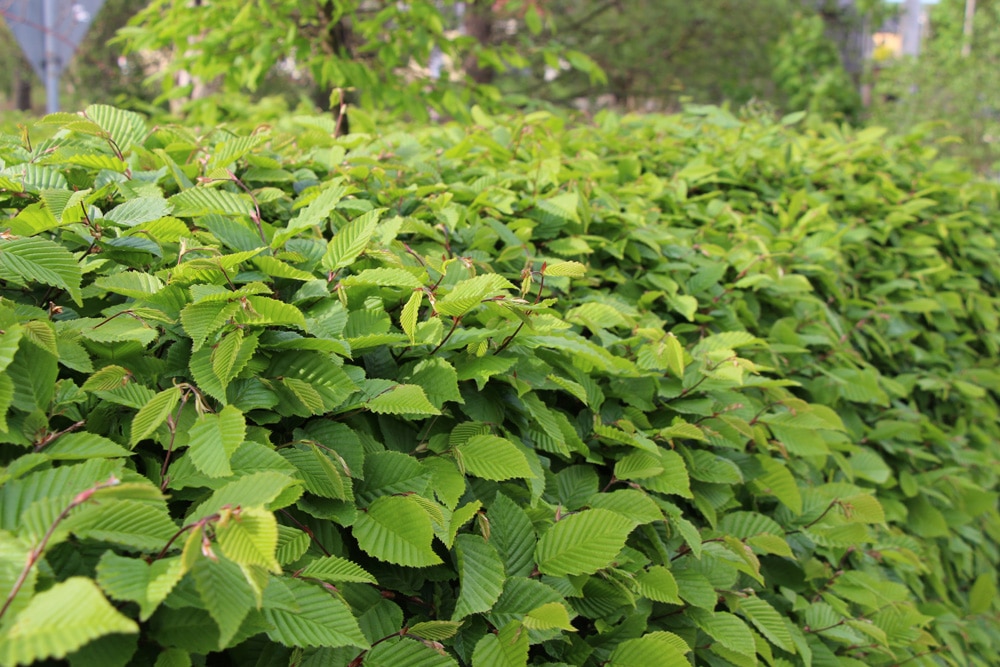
(404, 56)
(656, 391)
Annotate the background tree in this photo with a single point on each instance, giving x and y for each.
(657, 52)
(945, 85)
(378, 49)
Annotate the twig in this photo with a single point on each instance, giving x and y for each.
(36, 554)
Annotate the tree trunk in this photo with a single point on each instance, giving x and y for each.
(22, 92)
(478, 23)
(336, 43)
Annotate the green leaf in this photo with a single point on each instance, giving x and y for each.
(402, 399)
(657, 583)
(507, 648)
(513, 535)
(982, 595)
(438, 379)
(232, 354)
(630, 503)
(434, 630)
(492, 457)
(14, 553)
(202, 319)
(316, 618)
(249, 536)
(260, 310)
(139, 210)
(480, 573)
(468, 293)
(292, 544)
(726, 629)
(134, 523)
(134, 579)
(41, 261)
(319, 472)
(224, 592)
(213, 438)
(107, 379)
(384, 277)
(768, 621)
(779, 482)
(397, 530)
(351, 240)
(582, 543)
(569, 269)
(9, 340)
(81, 446)
(656, 649)
(549, 616)
(315, 213)
(258, 489)
(409, 314)
(199, 201)
(335, 570)
(407, 653)
(124, 128)
(154, 413)
(59, 621)
(278, 269)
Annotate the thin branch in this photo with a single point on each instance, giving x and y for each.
(36, 554)
(307, 530)
(454, 325)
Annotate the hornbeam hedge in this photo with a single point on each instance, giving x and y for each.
(644, 392)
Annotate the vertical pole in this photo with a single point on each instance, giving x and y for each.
(51, 64)
(911, 28)
(970, 17)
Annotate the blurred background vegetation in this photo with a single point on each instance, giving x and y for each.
(840, 60)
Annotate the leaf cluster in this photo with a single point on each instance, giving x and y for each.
(654, 391)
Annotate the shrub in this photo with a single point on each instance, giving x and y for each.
(654, 391)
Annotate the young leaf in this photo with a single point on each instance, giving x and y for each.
(513, 535)
(335, 570)
(726, 629)
(351, 240)
(202, 319)
(407, 653)
(467, 294)
(434, 630)
(249, 536)
(134, 523)
(507, 648)
(569, 269)
(403, 399)
(314, 618)
(81, 446)
(134, 579)
(656, 649)
(480, 573)
(768, 621)
(213, 438)
(395, 529)
(492, 457)
(549, 616)
(154, 413)
(582, 543)
(658, 583)
(224, 592)
(408, 316)
(59, 621)
(41, 261)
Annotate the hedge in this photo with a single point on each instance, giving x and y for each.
(661, 390)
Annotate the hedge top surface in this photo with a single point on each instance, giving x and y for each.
(652, 391)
